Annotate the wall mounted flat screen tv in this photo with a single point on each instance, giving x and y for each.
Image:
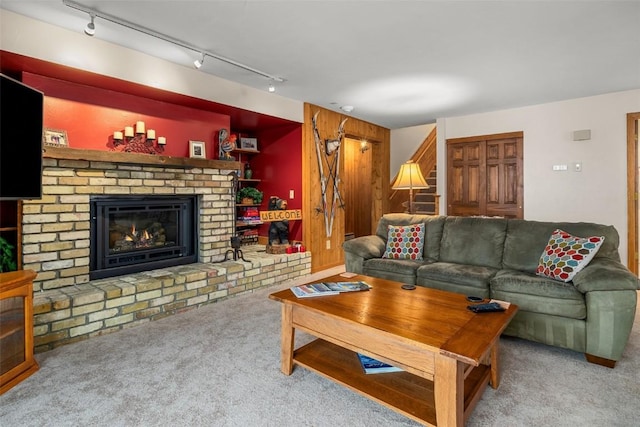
(21, 120)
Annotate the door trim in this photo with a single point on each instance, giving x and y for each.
(632, 191)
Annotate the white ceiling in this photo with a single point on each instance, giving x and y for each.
(399, 63)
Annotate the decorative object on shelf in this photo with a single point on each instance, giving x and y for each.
(227, 143)
(55, 137)
(248, 173)
(137, 139)
(324, 150)
(249, 143)
(197, 149)
(251, 193)
(278, 230)
(7, 256)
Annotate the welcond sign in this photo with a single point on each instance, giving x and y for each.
(269, 216)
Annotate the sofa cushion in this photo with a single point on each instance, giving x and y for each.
(565, 255)
(432, 235)
(526, 239)
(405, 242)
(538, 294)
(468, 279)
(473, 241)
(400, 270)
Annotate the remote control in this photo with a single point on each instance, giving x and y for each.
(486, 308)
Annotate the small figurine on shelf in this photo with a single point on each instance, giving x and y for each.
(227, 144)
(248, 173)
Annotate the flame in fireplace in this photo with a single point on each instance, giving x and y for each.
(141, 238)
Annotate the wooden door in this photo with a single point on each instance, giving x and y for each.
(357, 189)
(466, 171)
(484, 175)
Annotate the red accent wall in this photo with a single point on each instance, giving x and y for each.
(90, 115)
(278, 165)
(90, 107)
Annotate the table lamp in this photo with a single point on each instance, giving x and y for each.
(410, 178)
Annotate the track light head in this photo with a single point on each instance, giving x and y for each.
(272, 88)
(90, 29)
(198, 62)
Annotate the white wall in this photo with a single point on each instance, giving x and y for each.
(599, 192)
(405, 142)
(37, 39)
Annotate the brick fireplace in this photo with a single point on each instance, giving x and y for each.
(69, 305)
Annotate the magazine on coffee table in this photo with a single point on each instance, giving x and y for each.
(328, 288)
(374, 366)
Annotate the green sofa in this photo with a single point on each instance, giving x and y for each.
(497, 258)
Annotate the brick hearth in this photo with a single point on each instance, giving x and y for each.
(69, 307)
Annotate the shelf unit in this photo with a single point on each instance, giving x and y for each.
(11, 226)
(247, 230)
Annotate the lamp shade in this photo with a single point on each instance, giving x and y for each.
(409, 178)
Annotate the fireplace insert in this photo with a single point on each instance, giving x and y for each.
(131, 234)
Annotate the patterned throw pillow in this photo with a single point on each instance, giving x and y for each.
(565, 255)
(405, 242)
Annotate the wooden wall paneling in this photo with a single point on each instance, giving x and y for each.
(314, 228)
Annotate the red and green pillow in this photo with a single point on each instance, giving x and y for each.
(565, 255)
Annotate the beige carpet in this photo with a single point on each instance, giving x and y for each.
(219, 366)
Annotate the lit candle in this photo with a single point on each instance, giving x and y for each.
(117, 135)
(162, 140)
(139, 127)
(151, 134)
(128, 131)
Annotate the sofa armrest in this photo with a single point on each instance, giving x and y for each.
(360, 249)
(366, 246)
(604, 274)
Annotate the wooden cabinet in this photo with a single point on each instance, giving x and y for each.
(484, 175)
(16, 328)
(247, 212)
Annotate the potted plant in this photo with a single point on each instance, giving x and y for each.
(249, 193)
(7, 257)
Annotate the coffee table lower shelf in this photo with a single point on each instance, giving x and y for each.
(403, 392)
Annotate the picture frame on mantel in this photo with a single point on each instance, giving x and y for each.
(197, 150)
(55, 137)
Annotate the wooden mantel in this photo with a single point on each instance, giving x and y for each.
(137, 158)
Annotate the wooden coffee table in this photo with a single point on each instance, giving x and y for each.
(448, 353)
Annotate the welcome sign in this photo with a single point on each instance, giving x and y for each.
(291, 215)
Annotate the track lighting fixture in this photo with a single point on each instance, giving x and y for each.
(198, 62)
(90, 29)
(272, 88)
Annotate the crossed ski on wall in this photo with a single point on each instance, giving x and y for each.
(324, 152)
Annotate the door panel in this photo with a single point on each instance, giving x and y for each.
(485, 176)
